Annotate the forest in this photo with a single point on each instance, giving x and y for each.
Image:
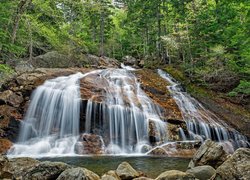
(208, 40)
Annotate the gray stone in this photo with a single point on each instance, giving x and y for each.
(235, 167)
(46, 170)
(16, 168)
(125, 171)
(129, 60)
(78, 174)
(210, 153)
(174, 174)
(202, 172)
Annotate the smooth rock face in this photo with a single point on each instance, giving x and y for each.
(210, 153)
(78, 174)
(158, 151)
(235, 167)
(46, 170)
(16, 168)
(174, 174)
(202, 172)
(125, 171)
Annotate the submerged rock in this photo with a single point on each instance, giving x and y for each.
(235, 167)
(174, 174)
(202, 172)
(78, 174)
(125, 171)
(210, 153)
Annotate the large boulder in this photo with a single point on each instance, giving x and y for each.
(46, 170)
(210, 153)
(52, 59)
(78, 174)
(125, 171)
(16, 168)
(174, 174)
(235, 167)
(202, 172)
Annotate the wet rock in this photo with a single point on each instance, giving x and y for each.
(202, 172)
(5, 145)
(89, 144)
(235, 167)
(125, 171)
(174, 174)
(158, 151)
(210, 153)
(78, 174)
(46, 170)
(17, 167)
(11, 98)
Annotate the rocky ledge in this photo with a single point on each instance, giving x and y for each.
(209, 162)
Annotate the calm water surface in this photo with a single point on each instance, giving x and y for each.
(151, 166)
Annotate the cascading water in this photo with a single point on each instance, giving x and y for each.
(51, 125)
(117, 118)
(127, 110)
(201, 123)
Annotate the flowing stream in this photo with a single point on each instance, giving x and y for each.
(121, 120)
(201, 123)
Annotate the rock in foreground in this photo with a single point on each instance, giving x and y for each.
(125, 171)
(235, 167)
(78, 174)
(210, 153)
(202, 172)
(174, 174)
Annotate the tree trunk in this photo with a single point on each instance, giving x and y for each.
(102, 34)
(20, 10)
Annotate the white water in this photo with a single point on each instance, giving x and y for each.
(51, 124)
(126, 119)
(127, 110)
(201, 123)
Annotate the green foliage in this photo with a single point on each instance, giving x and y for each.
(242, 89)
(5, 69)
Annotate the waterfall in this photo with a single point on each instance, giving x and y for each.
(117, 117)
(201, 123)
(51, 124)
(126, 113)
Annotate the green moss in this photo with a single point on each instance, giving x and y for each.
(5, 69)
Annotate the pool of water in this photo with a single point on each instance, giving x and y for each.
(151, 166)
